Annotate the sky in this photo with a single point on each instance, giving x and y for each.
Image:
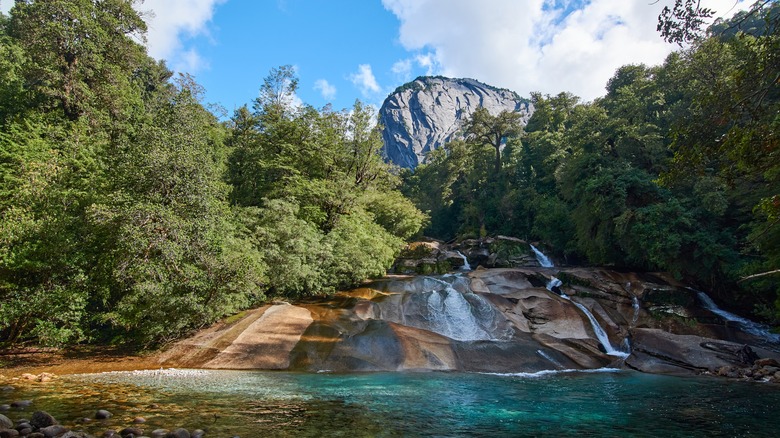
(343, 50)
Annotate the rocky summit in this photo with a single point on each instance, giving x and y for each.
(424, 114)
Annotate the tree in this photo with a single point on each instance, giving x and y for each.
(485, 129)
(79, 53)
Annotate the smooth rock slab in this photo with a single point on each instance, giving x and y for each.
(267, 342)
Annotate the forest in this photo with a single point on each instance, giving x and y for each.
(131, 214)
(676, 168)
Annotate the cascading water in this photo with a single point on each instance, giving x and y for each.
(554, 286)
(543, 260)
(466, 266)
(601, 335)
(448, 307)
(746, 325)
(636, 306)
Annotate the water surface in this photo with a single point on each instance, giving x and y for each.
(254, 404)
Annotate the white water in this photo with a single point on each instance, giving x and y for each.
(554, 282)
(635, 305)
(466, 266)
(553, 372)
(543, 260)
(447, 306)
(601, 335)
(549, 358)
(747, 325)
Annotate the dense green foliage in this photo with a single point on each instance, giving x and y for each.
(129, 213)
(676, 168)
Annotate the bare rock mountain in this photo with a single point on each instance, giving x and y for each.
(422, 115)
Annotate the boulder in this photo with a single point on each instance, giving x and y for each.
(658, 351)
(41, 419)
(178, 433)
(103, 414)
(9, 433)
(53, 430)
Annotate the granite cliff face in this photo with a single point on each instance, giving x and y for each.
(424, 114)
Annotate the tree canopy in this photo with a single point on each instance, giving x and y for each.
(130, 214)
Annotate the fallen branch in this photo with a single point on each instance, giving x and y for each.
(762, 274)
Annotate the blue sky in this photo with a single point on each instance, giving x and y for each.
(363, 49)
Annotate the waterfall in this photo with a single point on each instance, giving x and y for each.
(447, 306)
(601, 335)
(746, 325)
(466, 266)
(543, 260)
(635, 305)
(553, 284)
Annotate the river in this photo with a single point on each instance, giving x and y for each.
(254, 404)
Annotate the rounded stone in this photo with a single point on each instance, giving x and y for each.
(5, 422)
(21, 403)
(139, 420)
(53, 430)
(41, 419)
(159, 433)
(131, 431)
(178, 433)
(9, 433)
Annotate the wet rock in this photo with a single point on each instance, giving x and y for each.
(159, 433)
(134, 431)
(103, 414)
(76, 435)
(21, 404)
(9, 433)
(198, 433)
(24, 431)
(178, 433)
(4, 408)
(36, 435)
(109, 433)
(767, 362)
(139, 420)
(41, 419)
(5, 422)
(5, 388)
(53, 430)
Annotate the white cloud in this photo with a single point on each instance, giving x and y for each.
(403, 69)
(536, 45)
(189, 61)
(5, 6)
(171, 23)
(327, 90)
(364, 79)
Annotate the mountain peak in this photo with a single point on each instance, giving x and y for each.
(424, 114)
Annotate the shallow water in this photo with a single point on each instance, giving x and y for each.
(254, 404)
